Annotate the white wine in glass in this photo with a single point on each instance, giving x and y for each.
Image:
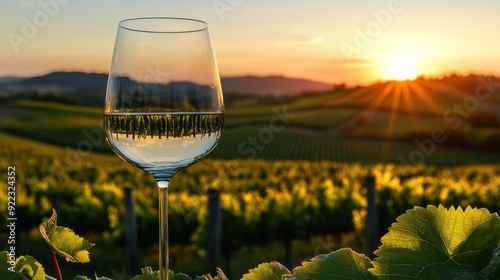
(164, 108)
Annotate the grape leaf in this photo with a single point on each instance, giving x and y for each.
(178, 276)
(341, 264)
(86, 278)
(438, 243)
(149, 274)
(26, 268)
(64, 241)
(267, 271)
(492, 270)
(220, 276)
(29, 266)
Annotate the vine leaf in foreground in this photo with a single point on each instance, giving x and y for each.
(492, 270)
(149, 274)
(177, 276)
(26, 268)
(220, 276)
(64, 241)
(438, 243)
(267, 271)
(342, 264)
(86, 278)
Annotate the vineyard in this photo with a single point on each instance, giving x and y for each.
(289, 172)
(261, 201)
(309, 135)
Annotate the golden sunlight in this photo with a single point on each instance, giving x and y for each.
(401, 70)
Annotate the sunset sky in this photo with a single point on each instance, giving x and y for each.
(357, 42)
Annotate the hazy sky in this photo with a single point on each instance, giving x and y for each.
(333, 41)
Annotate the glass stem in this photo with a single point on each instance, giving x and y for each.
(163, 216)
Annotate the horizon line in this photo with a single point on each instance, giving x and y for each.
(278, 75)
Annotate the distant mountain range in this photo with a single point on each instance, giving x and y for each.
(90, 87)
(9, 79)
(272, 85)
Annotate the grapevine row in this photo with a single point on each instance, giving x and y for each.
(267, 200)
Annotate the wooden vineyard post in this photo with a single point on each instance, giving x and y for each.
(131, 232)
(372, 235)
(214, 230)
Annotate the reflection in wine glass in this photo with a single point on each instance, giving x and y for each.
(164, 107)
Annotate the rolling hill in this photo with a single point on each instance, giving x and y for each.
(272, 85)
(90, 88)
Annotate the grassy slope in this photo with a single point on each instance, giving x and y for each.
(58, 124)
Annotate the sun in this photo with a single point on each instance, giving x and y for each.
(400, 71)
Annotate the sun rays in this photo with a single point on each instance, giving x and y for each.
(400, 108)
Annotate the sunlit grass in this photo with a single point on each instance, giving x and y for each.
(56, 123)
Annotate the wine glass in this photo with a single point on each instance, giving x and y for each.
(164, 108)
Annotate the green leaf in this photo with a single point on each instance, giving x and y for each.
(492, 270)
(436, 243)
(267, 271)
(86, 278)
(178, 276)
(102, 278)
(64, 241)
(149, 274)
(27, 265)
(25, 268)
(220, 276)
(342, 264)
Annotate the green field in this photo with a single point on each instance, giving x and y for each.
(53, 123)
(374, 124)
